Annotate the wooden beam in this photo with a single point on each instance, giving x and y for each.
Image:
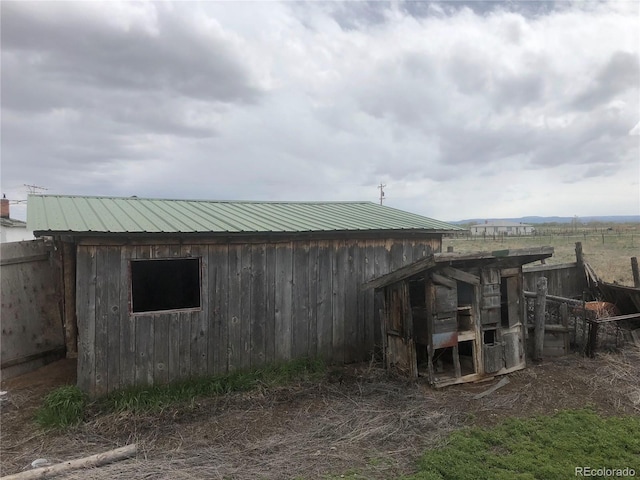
(86, 462)
(27, 259)
(400, 273)
(461, 275)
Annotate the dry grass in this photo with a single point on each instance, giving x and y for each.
(367, 420)
(357, 421)
(620, 374)
(609, 255)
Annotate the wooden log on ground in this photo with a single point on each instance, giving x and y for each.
(86, 462)
(540, 312)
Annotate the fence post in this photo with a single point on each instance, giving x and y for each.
(540, 312)
(592, 342)
(636, 272)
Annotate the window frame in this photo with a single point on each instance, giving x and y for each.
(171, 310)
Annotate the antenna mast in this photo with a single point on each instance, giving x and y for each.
(381, 187)
(31, 189)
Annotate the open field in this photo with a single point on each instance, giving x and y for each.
(608, 252)
(357, 421)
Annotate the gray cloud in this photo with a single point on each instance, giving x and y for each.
(461, 108)
(619, 74)
(178, 57)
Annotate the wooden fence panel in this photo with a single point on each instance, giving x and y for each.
(32, 327)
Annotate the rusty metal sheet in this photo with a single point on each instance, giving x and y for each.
(446, 339)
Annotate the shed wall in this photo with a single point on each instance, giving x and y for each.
(261, 302)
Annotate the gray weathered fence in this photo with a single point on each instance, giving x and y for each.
(31, 319)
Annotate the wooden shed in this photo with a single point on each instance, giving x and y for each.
(159, 290)
(454, 317)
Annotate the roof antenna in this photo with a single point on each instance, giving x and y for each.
(32, 189)
(381, 186)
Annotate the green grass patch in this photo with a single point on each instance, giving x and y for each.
(63, 407)
(66, 406)
(157, 398)
(548, 447)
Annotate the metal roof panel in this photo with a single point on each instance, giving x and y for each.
(123, 215)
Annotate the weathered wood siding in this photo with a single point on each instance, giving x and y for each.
(32, 331)
(566, 280)
(261, 302)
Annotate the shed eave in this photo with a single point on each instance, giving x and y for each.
(192, 234)
(516, 257)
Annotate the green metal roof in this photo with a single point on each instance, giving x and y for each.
(48, 214)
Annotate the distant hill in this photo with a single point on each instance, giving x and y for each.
(537, 220)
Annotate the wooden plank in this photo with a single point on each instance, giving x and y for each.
(390, 275)
(218, 307)
(300, 300)
(446, 300)
(369, 318)
(245, 307)
(127, 321)
(101, 341)
(456, 361)
(270, 282)
(283, 291)
(490, 276)
(113, 317)
(85, 308)
(184, 345)
(201, 321)
(493, 360)
(339, 284)
(514, 295)
(258, 305)
(194, 342)
(144, 350)
(396, 255)
(41, 257)
(381, 267)
(540, 313)
(161, 333)
(69, 296)
(513, 352)
(444, 281)
(353, 330)
(312, 317)
(461, 275)
(173, 361)
(324, 313)
(407, 251)
(234, 348)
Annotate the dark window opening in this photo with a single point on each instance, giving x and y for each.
(465, 351)
(443, 362)
(465, 294)
(489, 337)
(165, 284)
(417, 293)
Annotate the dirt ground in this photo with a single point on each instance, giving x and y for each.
(360, 422)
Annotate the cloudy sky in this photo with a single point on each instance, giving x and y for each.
(463, 109)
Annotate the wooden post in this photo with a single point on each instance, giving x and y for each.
(69, 298)
(593, 338)
(540, 312)
(564, 316)
(636, 272)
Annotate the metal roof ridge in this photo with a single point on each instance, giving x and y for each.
(202, 200)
